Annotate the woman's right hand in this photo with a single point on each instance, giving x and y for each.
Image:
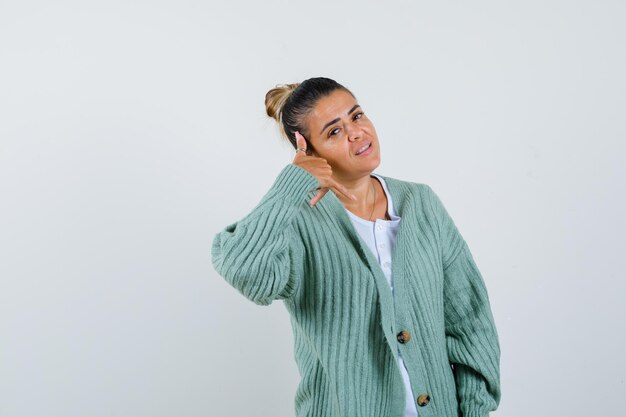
(320, 169)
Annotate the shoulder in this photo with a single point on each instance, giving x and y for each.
(418, 196)
(404, 190)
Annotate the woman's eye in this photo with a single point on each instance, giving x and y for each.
(333, 132)
(359, 115)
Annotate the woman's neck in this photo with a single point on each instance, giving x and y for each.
(371, 202)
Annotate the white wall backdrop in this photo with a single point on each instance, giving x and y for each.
(132, 132)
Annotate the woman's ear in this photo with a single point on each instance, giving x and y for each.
(310, 150)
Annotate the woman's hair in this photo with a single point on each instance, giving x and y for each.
(290, 104)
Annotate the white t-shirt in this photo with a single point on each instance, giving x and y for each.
(380, 237)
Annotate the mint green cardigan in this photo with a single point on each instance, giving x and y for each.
(344, 317)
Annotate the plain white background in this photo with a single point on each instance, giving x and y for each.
(132, 132)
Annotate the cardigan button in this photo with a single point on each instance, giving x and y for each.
(423, 400)
(404, 337)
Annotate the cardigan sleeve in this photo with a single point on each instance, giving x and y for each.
(471, 337)
(261, 255)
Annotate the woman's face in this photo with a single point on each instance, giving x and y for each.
(342, 134)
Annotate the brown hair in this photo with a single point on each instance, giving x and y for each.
(290, 104)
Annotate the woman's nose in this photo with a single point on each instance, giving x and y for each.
(354, 133)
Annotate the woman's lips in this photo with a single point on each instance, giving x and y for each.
(364, 150)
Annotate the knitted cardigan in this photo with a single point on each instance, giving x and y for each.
(344, 317)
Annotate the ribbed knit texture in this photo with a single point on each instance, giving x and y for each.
(343, 315)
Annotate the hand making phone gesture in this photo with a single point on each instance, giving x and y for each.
(320, 169)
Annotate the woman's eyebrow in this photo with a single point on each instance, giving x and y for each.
(356, 106)
(332, 122)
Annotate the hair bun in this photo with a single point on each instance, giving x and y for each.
(275, 99)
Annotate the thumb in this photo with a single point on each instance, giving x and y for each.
(300, 142)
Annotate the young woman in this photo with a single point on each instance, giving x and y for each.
(390, 315)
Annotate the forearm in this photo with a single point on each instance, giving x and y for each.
(471, 336)
(254, 255)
